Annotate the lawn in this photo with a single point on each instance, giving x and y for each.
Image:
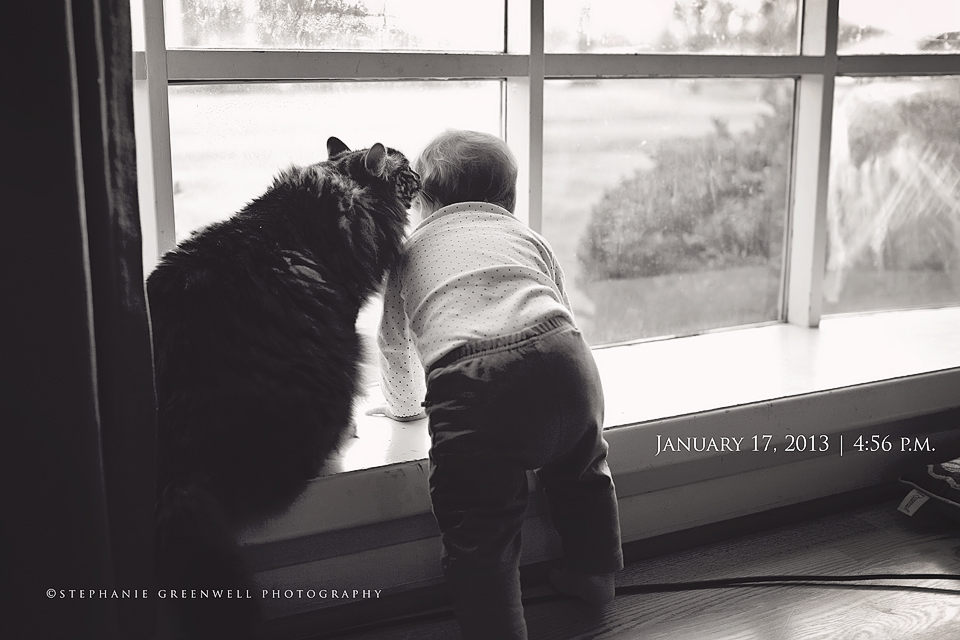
(867, 290)
(680, 303)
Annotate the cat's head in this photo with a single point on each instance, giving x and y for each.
(386, 170)
(371, 190)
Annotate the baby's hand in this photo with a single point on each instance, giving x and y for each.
(384, 410)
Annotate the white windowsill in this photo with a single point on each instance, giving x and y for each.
(667, 379)
(372, 510)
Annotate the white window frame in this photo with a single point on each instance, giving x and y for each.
(643, 486)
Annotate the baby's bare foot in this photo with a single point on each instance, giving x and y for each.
(594, 590)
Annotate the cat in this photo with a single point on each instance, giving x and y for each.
(257, 362)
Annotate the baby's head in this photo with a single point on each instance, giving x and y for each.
(466, 166)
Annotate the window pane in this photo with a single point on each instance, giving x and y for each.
(894, 207)
(917, 26)
(665, 201)
(228, 141)
(381, 25)
(656, 26)
(136, 25)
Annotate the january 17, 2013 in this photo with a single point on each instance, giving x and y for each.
(791, 443)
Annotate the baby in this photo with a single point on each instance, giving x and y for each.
(477, 329)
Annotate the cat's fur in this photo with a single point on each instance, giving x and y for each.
(256, 356)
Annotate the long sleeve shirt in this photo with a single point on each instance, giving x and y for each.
(469, 271)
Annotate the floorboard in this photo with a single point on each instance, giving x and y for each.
(870, 540)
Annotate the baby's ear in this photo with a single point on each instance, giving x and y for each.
(376, 160)
(335, 146)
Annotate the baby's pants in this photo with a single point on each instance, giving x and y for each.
(498, 407)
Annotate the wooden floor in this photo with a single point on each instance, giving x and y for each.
(873, 539)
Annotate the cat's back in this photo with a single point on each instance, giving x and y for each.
(224, 268)
(243, 341)
(210, 257)
(233, 286)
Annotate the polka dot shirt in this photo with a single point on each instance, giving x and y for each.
(469, 271)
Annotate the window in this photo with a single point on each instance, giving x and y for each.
(696, 165)
(227, 141)
(614, 26)
(666, 201)
(922, 26)
(391, 25)
(894, 207)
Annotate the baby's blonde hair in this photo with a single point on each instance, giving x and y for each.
(467, 166)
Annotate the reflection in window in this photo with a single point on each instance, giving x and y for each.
(657, 26)
(894, 207)
(665, 201)
(437, 25)
(918, 26)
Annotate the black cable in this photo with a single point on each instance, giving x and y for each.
(779, 580)
(822, 582)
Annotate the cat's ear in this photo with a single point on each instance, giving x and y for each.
(376, 160)
(335, 146)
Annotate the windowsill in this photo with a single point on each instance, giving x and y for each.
(651, 381)
(371, 510)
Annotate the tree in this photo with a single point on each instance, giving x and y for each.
(316, 24)
(296, 24)
(706, 25)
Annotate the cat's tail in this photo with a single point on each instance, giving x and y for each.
(207, 589)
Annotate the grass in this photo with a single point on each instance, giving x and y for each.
(875, 290)
(680, 304)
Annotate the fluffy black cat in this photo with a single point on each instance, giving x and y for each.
(257, 362)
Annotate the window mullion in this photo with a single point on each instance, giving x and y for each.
(205, 65)
(536, 115)
(161, 174)
(523, 109)
(678, 65)
(899, 65)
(811, 166)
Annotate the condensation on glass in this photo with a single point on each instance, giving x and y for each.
(668, 26)
(665, 201)
(893, 233)
(385, 25)
(914, 26)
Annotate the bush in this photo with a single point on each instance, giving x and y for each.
(713, 202)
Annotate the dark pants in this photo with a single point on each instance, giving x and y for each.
(498, 407)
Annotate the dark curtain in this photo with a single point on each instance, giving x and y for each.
(78, 411)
